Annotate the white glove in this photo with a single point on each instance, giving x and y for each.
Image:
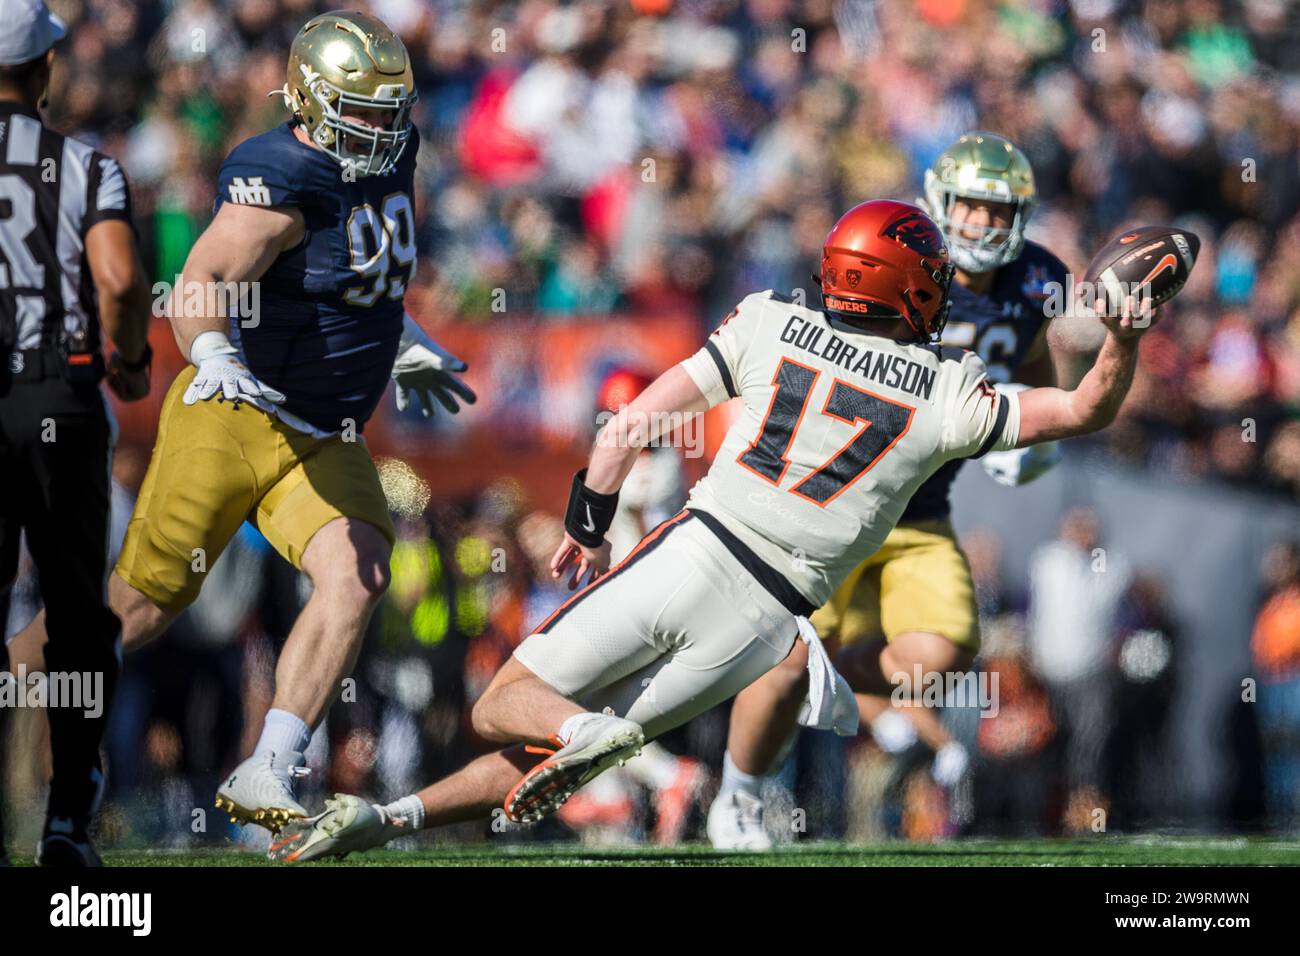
(950, 764)
(219, 370)
(424, 368)
(1020, 466)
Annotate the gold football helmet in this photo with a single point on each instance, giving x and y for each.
(987, 167)
(346, 63)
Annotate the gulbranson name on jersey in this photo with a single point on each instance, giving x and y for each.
(893, 371)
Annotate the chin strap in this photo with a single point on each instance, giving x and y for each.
(283, 93)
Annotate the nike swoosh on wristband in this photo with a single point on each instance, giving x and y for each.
(591, 522)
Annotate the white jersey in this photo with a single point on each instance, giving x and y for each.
(839, 429)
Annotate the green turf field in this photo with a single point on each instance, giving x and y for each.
(1098, 851)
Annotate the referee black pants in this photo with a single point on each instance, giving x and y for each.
(55, 454)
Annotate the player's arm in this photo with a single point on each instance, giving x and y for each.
(594, 496)
(1052, 413)
(239, 245)
(122, 293)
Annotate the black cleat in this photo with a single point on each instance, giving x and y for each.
(66, 845)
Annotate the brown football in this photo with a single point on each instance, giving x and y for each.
(1154, 261)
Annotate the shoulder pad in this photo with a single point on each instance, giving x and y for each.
(266, 170)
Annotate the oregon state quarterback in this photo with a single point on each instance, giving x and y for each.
(264, 424)
(913, 602)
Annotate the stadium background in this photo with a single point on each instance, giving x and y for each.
(598, 184)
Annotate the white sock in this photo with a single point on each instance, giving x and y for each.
(736, 780)
(408, 809)
(283, 732)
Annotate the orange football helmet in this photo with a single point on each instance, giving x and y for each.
(887, 259)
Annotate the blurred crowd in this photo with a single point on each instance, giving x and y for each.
(671, 156)
(668, 157)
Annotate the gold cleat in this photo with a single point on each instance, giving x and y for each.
(260, 790)
(273, 818)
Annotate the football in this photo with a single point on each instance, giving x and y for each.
(1152, 263)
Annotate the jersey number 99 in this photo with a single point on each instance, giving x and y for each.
(382, 246)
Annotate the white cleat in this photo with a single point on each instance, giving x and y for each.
(598, 743)
(736, 823)
(260, 790)
(348, 825)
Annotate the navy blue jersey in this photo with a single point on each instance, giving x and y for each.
(330, 309)
(1001, 327)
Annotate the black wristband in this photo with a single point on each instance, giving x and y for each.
(589, 513)
(139, 364)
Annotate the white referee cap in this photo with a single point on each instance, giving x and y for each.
(29, 31)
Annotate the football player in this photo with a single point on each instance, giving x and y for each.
(652, 492)
(912, 603)
(847, 410)
(263, 425)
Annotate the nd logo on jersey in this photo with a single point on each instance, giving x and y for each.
(249, 192)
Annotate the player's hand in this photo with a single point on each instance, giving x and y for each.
(427, 371)
(1133, 320)
(594, 561)
(127, 385)
(220, 371)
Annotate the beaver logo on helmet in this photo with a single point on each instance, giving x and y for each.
(917, 232)
(854, 276)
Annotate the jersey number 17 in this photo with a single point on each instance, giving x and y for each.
(881, 423)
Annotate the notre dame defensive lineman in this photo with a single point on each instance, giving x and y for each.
(68, 263)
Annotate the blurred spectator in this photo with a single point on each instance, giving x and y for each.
(1146, 667)
(1075, 590)
(1012, 772)
(1276, 647)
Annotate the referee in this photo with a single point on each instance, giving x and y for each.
(68, 264)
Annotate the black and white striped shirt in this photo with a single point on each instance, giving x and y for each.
(52, 190)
